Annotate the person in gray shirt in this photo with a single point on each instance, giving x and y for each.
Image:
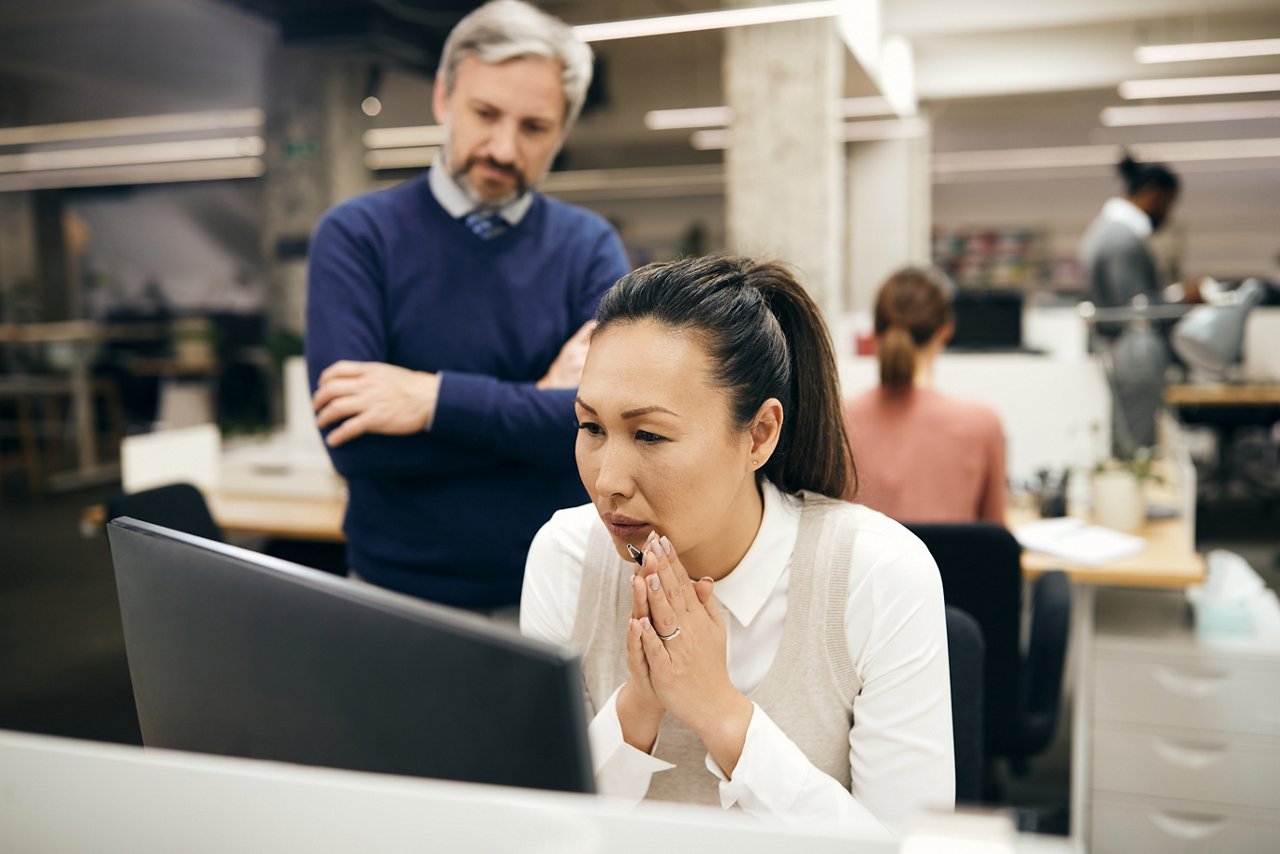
(1121, 273)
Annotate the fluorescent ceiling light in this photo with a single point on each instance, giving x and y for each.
(710, 140)
(1190, 87)
(133, 155)
(133, 126)
(155, 173)
(886, 129)
(1168, 114)
(710, 117)
(400, 158)
(1206, 50)
(692, 117)
(871, 105)
(699, 21)
(1075, 156)
(718, 139)
(406, 137)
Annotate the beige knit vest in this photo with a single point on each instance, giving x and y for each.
(809, 688)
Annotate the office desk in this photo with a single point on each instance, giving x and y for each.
(279, 516)
(1169, 562)
(286, 517)
(69, 795)
(1223, 394)
(80, 336)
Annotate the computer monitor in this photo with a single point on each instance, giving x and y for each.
(987, 320)
(235, 653)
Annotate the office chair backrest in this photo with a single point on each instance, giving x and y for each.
(1046, 653)
(981, 572)
(179, 506)
(965, 651)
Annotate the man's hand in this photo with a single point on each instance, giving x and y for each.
(373, 397)
(566, 370)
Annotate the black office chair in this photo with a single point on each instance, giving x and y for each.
(965, 651)
(179, 506)
(981, 567)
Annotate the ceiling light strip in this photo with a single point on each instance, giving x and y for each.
(1063, 157)
(154, 173)
(700, 21)
(1168, 114)
(246, 119)
(1155, 53)
(712, 117)
(400, 158)
(415, 136)
(1191, 87)
(133, 155)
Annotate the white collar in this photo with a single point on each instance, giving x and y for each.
(458, 203)
(749, 585)
(1129, 215)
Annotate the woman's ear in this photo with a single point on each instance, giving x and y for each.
(766, 429)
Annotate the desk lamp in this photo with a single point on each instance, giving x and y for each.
(1210, 338)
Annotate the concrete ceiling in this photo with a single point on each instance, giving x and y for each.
(66, 60)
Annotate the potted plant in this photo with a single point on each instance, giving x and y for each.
(1119, 490)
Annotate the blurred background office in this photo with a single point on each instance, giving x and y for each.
(163, 162)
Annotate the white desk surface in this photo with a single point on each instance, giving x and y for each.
(61, 795)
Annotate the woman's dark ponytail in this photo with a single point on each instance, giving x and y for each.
(766, 338)
(814, 453)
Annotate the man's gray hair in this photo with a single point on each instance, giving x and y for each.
(507, 29)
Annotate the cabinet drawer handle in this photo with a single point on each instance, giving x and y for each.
(1186, 684)
(1187, 825)
(1188, 756)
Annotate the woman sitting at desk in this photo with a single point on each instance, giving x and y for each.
(923, 456)
(804, 674)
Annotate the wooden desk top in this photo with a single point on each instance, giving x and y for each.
(1223, 394)
(282, 516)
(285, 516)
(1166, 562)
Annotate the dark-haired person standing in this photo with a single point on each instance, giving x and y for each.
(1121, 274)
(779, 651)
(446, 324)
(1114, 251)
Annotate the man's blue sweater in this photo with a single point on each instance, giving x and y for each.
(448, 514)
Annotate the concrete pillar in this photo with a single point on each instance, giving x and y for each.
(784, 168)
(314, 159)
(890, 212)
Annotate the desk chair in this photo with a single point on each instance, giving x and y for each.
(179, 506)
(965, 651)
(981, 572)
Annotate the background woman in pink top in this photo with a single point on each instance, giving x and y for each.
(923, 456)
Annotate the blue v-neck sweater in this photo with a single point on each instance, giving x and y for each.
(448, 514)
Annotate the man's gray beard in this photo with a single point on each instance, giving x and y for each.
(459, 177)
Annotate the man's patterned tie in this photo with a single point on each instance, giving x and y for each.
(485, 225)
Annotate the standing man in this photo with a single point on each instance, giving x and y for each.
(447, 323)
(1122, 274)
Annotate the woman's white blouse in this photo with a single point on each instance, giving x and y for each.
(900, 747)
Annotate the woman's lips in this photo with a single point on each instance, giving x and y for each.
(624, 527)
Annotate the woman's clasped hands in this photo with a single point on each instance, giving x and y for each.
(676, 659)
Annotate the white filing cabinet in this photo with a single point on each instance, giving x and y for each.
(1185, 731)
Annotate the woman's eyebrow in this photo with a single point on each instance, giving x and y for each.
(646, 410)
(630, 413)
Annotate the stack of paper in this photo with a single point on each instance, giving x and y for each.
(1073, 540)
